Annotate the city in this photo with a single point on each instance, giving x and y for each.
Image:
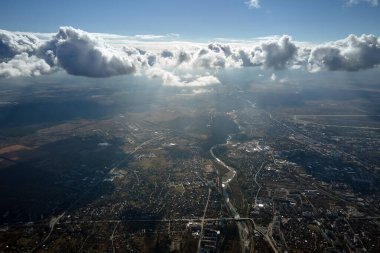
(223, 179)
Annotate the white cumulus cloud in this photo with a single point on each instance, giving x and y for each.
(253, 3)
(81, 53)
(273, 77)
(350, 54)
(276, 54)
(24, 65)
(12, 43)
(371, 2)
(170, 79)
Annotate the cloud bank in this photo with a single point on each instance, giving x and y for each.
(350, 54)
(95, 55)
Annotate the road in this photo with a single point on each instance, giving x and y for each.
(156, 220)
(269, 238)
(137, 177)
(203, 220)
(255, 178)
(332, 125)
(112, 237)
(52, 223)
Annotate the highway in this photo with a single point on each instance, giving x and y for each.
(255, 178)
(112, 237)
(203, 220)
(200, 219)
(52, 223)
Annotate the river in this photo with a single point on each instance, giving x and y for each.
(228, 177)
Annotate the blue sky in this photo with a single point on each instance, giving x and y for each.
(306, 20)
